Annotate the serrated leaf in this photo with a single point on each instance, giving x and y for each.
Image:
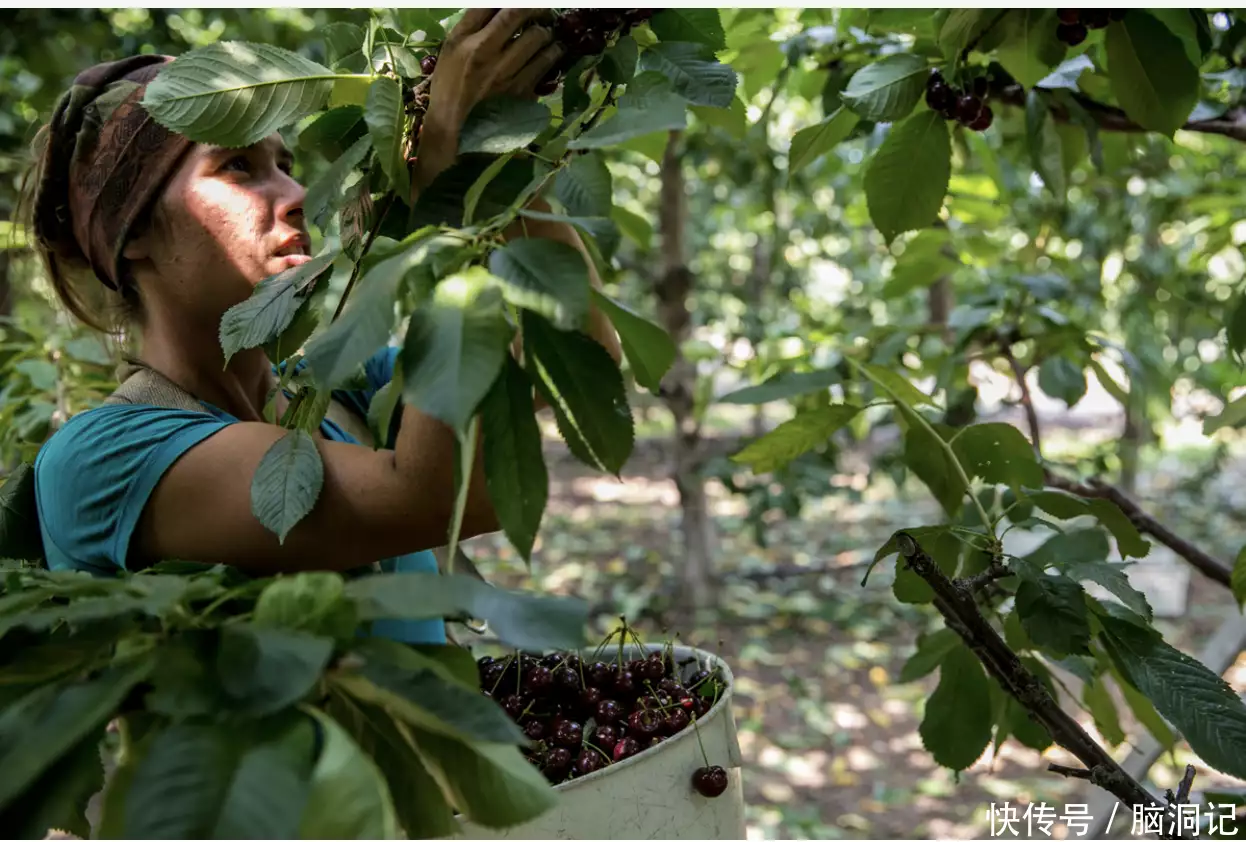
(387, 126)
(618, 64)
(343, 40)
(788, 384)
(313, 602)
(960, 28)
(1062, 378)
(898, 387)
(649, 349)
(45, 724)
(1030, 47)
(455, 347)
(20, 536)
(180, 783)
(932, 649)
(648, 105)
(1206, 710)
(1238, 578)
(306, 320)
(998, 453)
(520, 620)
(546, 277)
(1053, 613)
(234, 94)
(349, 798)
(583, 384)
(585, 187)
(287, 483)
(956, 727)
(264, 670)
(1112, 577)
(514, 464)
(811, 143)
(491, 785)
(908, 176)
(925, 260)
(1077, 546)
(1102, 707)
(693, 72)
(272, 306)
(888, 89)
(502, 124)
(699, 25)
(327, 193)
(271, 784)
(795, 437)
(925, 456)
(1044, 144)
(1151, 76)
(334, 131)
(364, 327)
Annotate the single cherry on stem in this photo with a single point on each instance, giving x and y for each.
(710, 781)
(625, 748)
(428, 64)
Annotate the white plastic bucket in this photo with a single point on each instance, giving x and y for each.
(650, 795)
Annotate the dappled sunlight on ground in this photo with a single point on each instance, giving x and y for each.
(829, 738)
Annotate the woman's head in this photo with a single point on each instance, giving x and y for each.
(127, 213)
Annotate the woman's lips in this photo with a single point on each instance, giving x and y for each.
(292, 260)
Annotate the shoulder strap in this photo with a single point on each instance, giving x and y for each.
(143, 385)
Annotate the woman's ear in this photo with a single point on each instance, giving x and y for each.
(137, 247)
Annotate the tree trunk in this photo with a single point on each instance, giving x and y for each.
(6, 285)
(679, 388)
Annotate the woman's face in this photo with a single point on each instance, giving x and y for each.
(227, 219)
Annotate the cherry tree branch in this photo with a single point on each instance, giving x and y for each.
(955, 601)
(1210, 567)
(1027, 400)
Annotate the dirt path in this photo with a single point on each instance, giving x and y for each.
(830, 741)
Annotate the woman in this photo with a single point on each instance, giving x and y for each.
(180, 232)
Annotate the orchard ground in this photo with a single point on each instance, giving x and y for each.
(830, 740)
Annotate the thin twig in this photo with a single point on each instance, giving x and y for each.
(956, 603)
(1213, 569)
(979, 581)
(354, 274)
(1069, 771)
(1027, 400)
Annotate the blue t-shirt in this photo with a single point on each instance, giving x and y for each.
(94, 476)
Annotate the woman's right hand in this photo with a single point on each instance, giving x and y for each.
(481, 57)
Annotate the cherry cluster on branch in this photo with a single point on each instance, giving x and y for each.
(1075, 24)
(967, 107)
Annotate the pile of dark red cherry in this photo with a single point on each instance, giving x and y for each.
(582, 716)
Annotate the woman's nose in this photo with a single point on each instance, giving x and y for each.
(291, 197)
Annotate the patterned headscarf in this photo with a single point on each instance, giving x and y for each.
(118, 158)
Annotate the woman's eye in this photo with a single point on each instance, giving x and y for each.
(286, 167)
(237, 163)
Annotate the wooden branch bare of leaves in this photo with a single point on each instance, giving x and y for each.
(1027, 400)
(955, 601)
(1112, 119)
(1210, 567)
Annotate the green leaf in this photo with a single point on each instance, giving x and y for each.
(1142, 708)
(943, 547)
(733, 119)
(334, 131)
(1109, 384)
(384, 403)
(693, 71)
(311, 602)
(1238, 578)
(1062, 378)
(514, 464)
(960, 29)
(648, 105)
(180, 783)
(1151, 76)
(811, 143)
(425, 699)
(898, 387)
(306, 320)
(491, 785)
(58, 799)
(344, 40)
(546, 277)
(1030, 47)
(1067, 73)
(1044, 144)
(387, 126)
(271, 308)
(235, 94)
(1078, 546)
(649, 349)
(1233, 415)
(956, 728)
(582, 383)
(264, 670)
(1053, 613)
(584, 187)
(932, 649)
(20, 536)
(888, 89)
(1065, 506)
(520, 620)
(618, 64)
(271, 784)
(702, 26)
(635, 226)
(46, 724)
(1235, 330)
(925, 456)
(785, 385)
(998, 453)
(1102, 707)
(502, 124)
(795, 437)
(421, 808)
(443, 201)
(909, 174)
(287, 483)
(1111, 577)
(325, 196)
(1181, 22)
(924, 261)
(455, 346)
(349, 798)
(1205, 709)
(364, 327)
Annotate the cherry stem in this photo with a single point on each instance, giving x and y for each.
(697, 729)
